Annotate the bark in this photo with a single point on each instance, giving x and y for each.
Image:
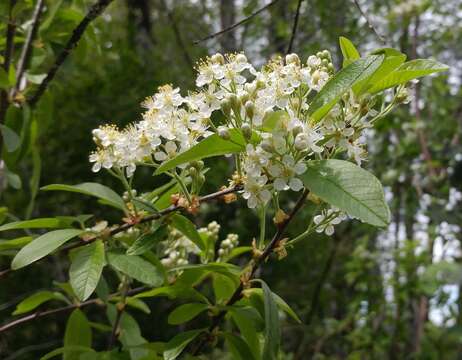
(228, 18)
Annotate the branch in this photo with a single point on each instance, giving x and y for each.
(120, 310)
(251, 16)
(40, 314)
(26, 49)
(294, 28)
(255, 264)
(178, 36)
(369, 23)
(145, 219)
(95, 10)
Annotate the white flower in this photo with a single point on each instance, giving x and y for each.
(285, 172)
(327, 219)
(170, 151)
(255, 191)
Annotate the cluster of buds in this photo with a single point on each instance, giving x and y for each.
(227, 245)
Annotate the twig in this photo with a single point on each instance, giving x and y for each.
(294, 28)
(155, 216)
(40, 314)
(254, 264)
(221, 32)
(369, 23)
(95, 10)
(179, 38)
(120, 310)
(26, 49)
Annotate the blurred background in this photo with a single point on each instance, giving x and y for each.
(362, 294)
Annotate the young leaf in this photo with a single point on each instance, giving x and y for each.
(272, 326)
(102, 192)
(186, 312)
(41, 223)
(408, 71)
(349, 51)
(239, 348)
(223, 287)
(86, 269)
(147, 241)
(229, 270)
(349, 188)
(176, 345)
(188, 229)
(42, 246)
(174, 292)
(246, 319)
(10, 138)
(209, 147)
(342, 82)
(32, 302)
(79, 350)
(78, 333)
(136, 267)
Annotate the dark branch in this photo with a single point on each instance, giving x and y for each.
(243, 21)
(294, 28)
(255, 264)
(369, 23)
(26, 49)
(95, 10)
(40, 314)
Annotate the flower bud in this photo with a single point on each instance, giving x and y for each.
(292, 59)
(297, 130)
(244, 97)
(198, 164)
(241, 58)
(246, 131)
(218, 59)
(326, 54)
(301, 142)
(226, 107)
(267, 146)
(316, 77)
(223, 132)
(193, 172)
(249, 109)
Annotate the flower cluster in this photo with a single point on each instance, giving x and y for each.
(268, 109)
(227, 245)
(327, 219)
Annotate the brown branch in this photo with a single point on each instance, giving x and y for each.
(254, 265)
(26, 49)
(369, 23)
(243, 21)
(94, 11)
(155, 216)
(294, 28)
(120, 310)
(40, 314)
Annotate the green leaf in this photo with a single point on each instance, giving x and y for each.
(174, 292)
(146, 241)
(349, 188)
(239, 348)
(67, 350)
(279, 301)
(341, 83)
(272, 326)
(229, 270)
(246, 319)
(209, 147)
(42, 246)
(408, 71)
(223, 287)
(32, 302)
(41, 223)
(10, 138)
(109, 196)
(188, 229)
(176, 345)
(186, 312)
(15, 243)
(136, 267)
(78, 333)
(86, 269)
(349, 51)
(389, 64)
